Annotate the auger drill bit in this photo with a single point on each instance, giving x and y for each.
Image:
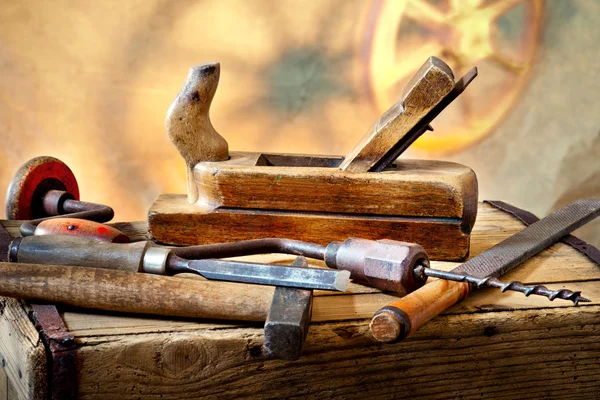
(490, 281)
(400, 318)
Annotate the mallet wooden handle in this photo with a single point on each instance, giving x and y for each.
(110, 290)
(402, 317)
(83, 252)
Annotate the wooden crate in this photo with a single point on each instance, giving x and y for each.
(492, 345)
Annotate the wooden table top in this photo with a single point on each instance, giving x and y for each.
(491, 345)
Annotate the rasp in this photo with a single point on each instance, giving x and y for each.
(402, 317)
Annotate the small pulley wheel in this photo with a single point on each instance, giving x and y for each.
(25, 195)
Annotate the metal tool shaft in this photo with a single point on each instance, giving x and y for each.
(268, 274)
(528, 290)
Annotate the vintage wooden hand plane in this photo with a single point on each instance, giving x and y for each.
(319, 198)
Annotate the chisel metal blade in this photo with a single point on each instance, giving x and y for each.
(273, 275)
(536, 237)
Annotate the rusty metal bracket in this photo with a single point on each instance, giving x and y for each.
(61, 351)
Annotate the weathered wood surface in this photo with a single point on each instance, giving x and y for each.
(426, 89)
(22, 354)
(173, 221)
(255, 195)
(188, 122)
(412, 188)
(492, 345)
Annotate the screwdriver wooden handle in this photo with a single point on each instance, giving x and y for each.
(111, 290)
(83, 252)
(402, 317)
(81, 228)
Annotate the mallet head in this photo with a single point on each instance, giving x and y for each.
(287, 322)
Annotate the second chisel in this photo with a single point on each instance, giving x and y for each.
(142, 257)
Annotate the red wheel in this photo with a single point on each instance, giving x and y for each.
(32, 181)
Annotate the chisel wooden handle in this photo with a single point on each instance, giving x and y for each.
(110, 290)
(72, 250)
(81, 228)
(402, 317)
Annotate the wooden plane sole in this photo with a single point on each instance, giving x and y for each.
(307, 197)
(173, 221)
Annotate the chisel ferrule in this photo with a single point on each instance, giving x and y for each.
(155, 260)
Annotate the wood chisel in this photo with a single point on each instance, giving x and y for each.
(402, 317)
(142, 257)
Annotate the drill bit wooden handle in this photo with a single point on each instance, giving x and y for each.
(109, 290)
(188, 123)
(402, 317)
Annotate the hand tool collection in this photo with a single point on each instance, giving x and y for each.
(320, 198)
(404, 316)
(67, 255)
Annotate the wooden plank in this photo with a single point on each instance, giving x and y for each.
(492, 227)
(173, 221)
(21, 351)
(328, 309)
(12, 392)
(503, 354)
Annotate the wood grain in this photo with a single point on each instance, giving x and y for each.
(22, 353)
(416, 310)
(188, 122)
(114, 290)
(415, 188)
(255, 195)
(492, 345)
(173, 221)
(502, 354)
(426, 89)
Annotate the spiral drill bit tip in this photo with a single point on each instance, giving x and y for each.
(539, 290)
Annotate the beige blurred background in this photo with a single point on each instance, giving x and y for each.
(89, 82)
